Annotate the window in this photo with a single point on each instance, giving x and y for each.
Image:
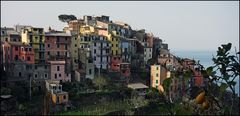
(59, 75)
(28, 58)
(75, 45)
(58, 68)
(156, 86)
(116, 45)
(45, 66)
(66, 47)
(19, 74)
(156, 81)
(66, 39)
(35, 67)
(6, 39)
(94, 43)
(16, 48)
(55, 76)
(157, 75)
(57, 39)
(16, 57)
(64, 97)
(150, 50)
(30, 49)
(58, 53)
(90, 71)
(75, 38)
(149, 55)
(35, 75)
(45, 75)
(94, 58)
(156, 68)
(48, 53)
(107, 44)
(94, 51)
(48, 45)
(58, 45)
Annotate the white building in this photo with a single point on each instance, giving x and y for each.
(147, 54)
(101, 52)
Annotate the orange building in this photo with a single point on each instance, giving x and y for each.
(115, 63)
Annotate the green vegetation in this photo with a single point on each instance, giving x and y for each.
(66, 18)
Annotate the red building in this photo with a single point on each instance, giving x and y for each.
(21, 52)
(115, 63)
(57, 46)
(27, 54)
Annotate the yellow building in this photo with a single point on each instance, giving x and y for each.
(86, 29)
(115, 42)
(57, 95)
(35, 37)
(75, 44)
(158, 74)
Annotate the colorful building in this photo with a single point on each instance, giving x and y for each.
(158, 74)
(125, 70)
(85, 64)
(58, 96)
(58, 71)
(101, 52)
(35, 37)
(115, 63)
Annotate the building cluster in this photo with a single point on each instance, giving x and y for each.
(86, 48)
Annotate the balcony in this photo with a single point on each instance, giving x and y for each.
(104, 47)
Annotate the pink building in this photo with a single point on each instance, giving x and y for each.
(15, 51)
(27, 54)
(57, 71)
(115, 63)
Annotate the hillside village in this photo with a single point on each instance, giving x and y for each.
(92, 61)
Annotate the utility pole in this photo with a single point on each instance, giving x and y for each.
(30, 84)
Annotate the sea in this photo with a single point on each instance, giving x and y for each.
(205, 58)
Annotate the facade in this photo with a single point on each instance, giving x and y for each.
(158, 74)
(35, 37)
(85, 63)
(5, 33)
(147, 54)
(58, 71)
(115, 63)
(57, 95)
(125, 50)
(101, 52)
(5, 55)
(115, 44)
(157, 45)
(27, 54)
(75, 45)
(57, 47)
(125, 70)
(155, 76)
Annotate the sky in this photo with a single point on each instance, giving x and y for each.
(184, 25)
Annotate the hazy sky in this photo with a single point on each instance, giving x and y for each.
(184, 25)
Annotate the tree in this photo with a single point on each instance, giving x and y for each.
(100, 82)
(66, 18)
(228, 66)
